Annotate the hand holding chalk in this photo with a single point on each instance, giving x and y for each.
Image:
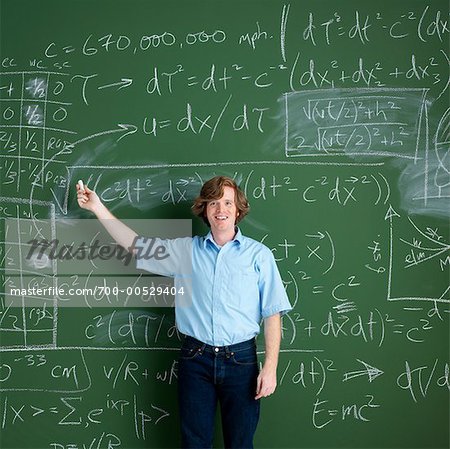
(87, 198)
(82, 195)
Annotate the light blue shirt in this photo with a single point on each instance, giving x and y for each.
(232, 287)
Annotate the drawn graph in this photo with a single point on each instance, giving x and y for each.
(25, 321)
(418, 256)
(34, 123)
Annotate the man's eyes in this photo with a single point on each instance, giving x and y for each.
(227, 203)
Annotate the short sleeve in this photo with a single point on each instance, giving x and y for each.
(166, 257)
(273, 297)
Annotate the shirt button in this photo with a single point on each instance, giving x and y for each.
(216, 349)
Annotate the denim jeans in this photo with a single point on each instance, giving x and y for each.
(209, 374)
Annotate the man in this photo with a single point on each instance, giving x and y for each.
(235, 284)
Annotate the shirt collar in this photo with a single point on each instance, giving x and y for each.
(237, 238)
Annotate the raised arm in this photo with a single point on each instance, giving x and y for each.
(121, 233)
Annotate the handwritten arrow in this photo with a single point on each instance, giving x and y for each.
(183, 182)
(319, 235)
(370, 371)
(125, 82)
(391, 213)
(121, 127)
(127, 127)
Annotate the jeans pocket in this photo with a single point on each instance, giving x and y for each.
(245, 357)
(190, 352)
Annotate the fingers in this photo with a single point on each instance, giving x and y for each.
(263, 389)
(264, 393)
(83, 195)
(258, 387)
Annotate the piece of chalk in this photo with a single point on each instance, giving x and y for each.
(80, 183)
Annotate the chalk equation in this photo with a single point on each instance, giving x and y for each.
(379, 122)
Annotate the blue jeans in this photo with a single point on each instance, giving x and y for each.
(209, 374)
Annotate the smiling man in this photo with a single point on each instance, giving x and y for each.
(235, 285)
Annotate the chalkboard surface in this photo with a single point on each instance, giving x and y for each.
(333, 117)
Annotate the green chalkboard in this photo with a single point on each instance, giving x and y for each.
(332, 116)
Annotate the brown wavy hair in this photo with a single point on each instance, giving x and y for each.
(213, 190)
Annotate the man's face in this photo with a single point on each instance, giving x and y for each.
(222, 213)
